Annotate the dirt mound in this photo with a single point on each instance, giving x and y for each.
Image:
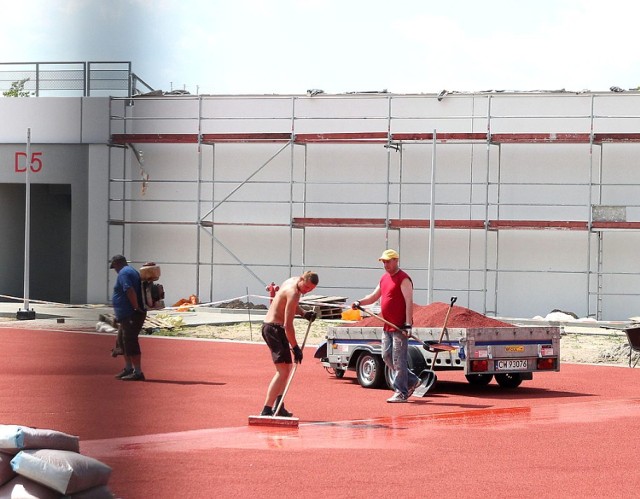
(433, 315)
(239, 304)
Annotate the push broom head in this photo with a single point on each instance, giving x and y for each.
(273, 421)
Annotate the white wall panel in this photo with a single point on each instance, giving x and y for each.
(95, 120)
(51, 119)
(532, 271)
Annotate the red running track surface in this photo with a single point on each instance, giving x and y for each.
(184, 433)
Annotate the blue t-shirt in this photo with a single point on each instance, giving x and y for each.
(128, 277)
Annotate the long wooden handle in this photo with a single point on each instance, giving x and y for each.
(293, 372)
(380, 318)
(446, 318)
(444, 328)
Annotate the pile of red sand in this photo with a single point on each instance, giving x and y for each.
(433, 316)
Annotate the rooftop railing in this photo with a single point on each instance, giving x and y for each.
(73, 79)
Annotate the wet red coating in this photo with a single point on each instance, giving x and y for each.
(433, 315)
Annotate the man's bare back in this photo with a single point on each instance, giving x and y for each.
(286, 304)
(287, 295)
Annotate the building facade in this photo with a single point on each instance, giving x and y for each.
(517, 203)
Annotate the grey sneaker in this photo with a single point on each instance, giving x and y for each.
(124, 372)
(134, 376)
(414, 387)
(397, 398)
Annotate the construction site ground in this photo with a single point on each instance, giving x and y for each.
(184, 433)
(582, 342)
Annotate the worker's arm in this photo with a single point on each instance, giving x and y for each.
(290, 311)
(372, 297)
(407, 292)
(133, 298)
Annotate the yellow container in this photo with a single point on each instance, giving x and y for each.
(351, 315)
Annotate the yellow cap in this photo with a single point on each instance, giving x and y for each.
(388, 255)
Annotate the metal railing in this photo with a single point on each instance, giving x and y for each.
(73, 79)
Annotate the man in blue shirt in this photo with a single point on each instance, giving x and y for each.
(129, 310)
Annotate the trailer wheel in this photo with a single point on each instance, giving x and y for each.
(479, 379)
(416, 360)
(370, 370)
(509, 380)
(389, 376)
(415, 363)
(339, 373)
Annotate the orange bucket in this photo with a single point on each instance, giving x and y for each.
(351, 315)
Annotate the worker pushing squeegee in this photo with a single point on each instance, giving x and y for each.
(279, 334)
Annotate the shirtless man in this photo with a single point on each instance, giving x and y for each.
(279, 334)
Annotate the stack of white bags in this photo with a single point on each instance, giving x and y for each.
(43, 464)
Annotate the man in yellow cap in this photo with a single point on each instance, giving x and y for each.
(395, 292)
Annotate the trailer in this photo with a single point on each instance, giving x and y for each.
(510, 355)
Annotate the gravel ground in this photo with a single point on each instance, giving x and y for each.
(578, 345)
(591, 345)
(598, 348)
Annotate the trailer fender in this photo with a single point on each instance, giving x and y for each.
(355, 355)
(321, 351)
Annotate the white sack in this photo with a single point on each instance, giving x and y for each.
(23, 488)
(101, 492)
(64, 471)
(14, 438)
(6, 471)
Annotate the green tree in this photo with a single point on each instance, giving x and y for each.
(17, 89)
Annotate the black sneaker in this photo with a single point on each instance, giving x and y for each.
(283, 413)
(267, 411)
(134, 376)
(124, 372)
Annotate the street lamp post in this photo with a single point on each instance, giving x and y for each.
(25, 313)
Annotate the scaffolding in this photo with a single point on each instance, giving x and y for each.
(484, 216)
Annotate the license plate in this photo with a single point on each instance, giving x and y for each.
(511, 365)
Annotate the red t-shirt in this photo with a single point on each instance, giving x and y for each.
(392, 300)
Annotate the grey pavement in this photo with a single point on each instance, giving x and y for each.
(85, 317)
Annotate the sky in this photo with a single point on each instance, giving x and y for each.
(338, 46)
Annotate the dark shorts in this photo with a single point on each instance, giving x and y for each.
(276, 339)
(128, 332)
